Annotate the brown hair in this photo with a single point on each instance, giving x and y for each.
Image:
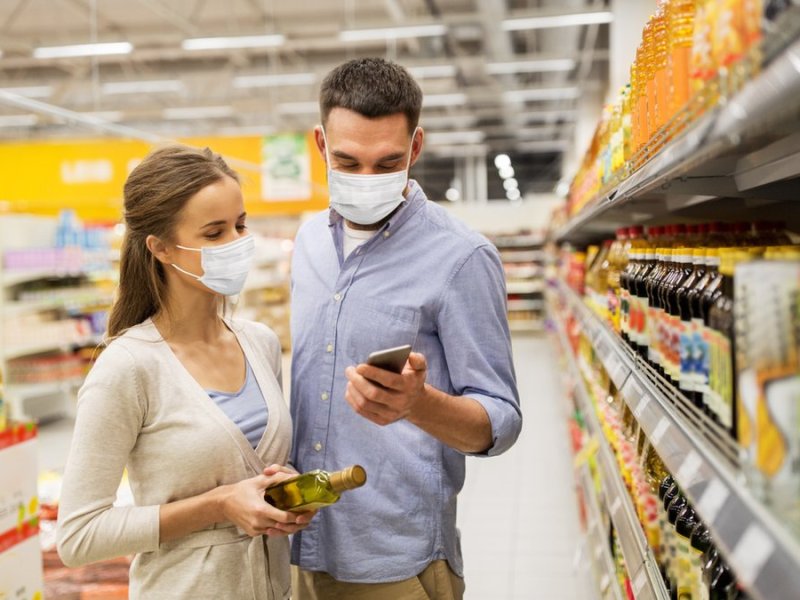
(372, 87)
(154, 194)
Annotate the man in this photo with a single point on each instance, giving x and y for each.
(382, 268)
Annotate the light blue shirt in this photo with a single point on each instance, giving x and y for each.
(245, 407)
(423, 279)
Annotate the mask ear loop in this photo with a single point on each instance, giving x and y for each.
(184, 271)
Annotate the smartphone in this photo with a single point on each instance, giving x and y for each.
(391, 359)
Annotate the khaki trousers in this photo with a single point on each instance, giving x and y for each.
(436, 582)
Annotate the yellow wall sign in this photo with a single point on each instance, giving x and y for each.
(88, 175)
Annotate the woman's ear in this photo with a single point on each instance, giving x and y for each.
(158, 249)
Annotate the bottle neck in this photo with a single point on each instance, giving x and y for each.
(348, 479)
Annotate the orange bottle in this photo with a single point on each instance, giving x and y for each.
(702, 67)
(660, 75)
(680, 20)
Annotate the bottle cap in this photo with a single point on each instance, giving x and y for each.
(349, 478)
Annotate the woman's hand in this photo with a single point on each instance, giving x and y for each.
(243, 505)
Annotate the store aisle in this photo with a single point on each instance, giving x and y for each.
(518, 513)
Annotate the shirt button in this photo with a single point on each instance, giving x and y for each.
(317, 446)
(324, 395)
(386, 234)
(329, 348)
(337, 297)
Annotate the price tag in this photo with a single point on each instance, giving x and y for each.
(751, 554)
(688, 470)
(616, 506)
(659, 431)
(640, 581)
(712, 500)
(639, 410)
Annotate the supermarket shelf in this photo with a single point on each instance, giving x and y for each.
(16, 308)
(34, 390)
(524, 287)
(743, 148)
(12, 278)
(515, 305)
(517, 241)
(521, 325)
(521, 256)
(31, 349)
(642, 569)
(597, 539)
(764, 555)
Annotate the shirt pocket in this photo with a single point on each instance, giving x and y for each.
(369, 326)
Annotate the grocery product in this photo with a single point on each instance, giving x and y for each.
(314, 489)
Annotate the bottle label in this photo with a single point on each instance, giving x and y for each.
(698, 357)
(624, 312)
(686, 355)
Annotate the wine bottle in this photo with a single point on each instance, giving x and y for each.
(314, 489)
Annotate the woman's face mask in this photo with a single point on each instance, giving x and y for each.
(225, 267)
(365, 199)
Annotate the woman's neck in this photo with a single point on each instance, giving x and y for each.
(190, 317)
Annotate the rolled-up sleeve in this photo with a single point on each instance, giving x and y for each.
(473, 328)
(109, 417)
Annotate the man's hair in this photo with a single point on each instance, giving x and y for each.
(372, 87)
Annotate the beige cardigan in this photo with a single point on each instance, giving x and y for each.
(140, 407)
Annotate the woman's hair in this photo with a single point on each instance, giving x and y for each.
(154, 195)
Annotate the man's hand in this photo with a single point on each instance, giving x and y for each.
(384, 397)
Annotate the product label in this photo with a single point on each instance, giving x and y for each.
(686, 355)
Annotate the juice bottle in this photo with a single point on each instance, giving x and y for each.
(635, 259)
(639, 301)
(597, 281)
(682, 272)
(627, 125)
(649, 83)
(617, 260)
(685, 525)
(702, 67)
(680, 22)
(696, 266)
(661, 78)
(653, 307)
(710, 294)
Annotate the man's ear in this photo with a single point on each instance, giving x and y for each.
(319, 138)
(416, 144)
(158, 249)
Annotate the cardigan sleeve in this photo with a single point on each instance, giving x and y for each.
(111, 412)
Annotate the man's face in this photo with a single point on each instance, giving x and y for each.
(362, 146)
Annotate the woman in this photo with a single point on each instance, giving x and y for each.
(189, 401)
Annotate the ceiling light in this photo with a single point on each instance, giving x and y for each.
(452, 194)
(443, 100)
(530, 66)
(510, 184)
(534, 94)
(198, 112)
(273, 80)
(31, 91)
(229, 43)
(502, 160)
(455, 137)
(298, 108)
(18, 120)
(142, 87)
(432, 71)
(552, 21)
(513, 194)
(392, 33)
(506, 171)
(101, 49)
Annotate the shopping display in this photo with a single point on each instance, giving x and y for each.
(693, 55)
(315, 489)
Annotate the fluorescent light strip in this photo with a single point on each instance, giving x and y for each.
(531, 66)
(142, 87)
(534, 94)
(392, 33)
(102, 49)
(273, 80)
(432, 71)
(198, 112)
(33, 91)
(443, 100)
(18, 120)
(227, 43)
(455, 137)
(553, 21)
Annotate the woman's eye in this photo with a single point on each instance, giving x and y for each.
(213, 235)
(241, 227)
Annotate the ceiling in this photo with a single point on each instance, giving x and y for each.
(492, 83)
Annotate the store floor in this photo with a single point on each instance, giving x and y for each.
(517, 512)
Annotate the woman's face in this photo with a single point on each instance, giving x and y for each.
(213, 216)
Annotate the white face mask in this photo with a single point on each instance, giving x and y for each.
(365, 199)
(225, 267)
